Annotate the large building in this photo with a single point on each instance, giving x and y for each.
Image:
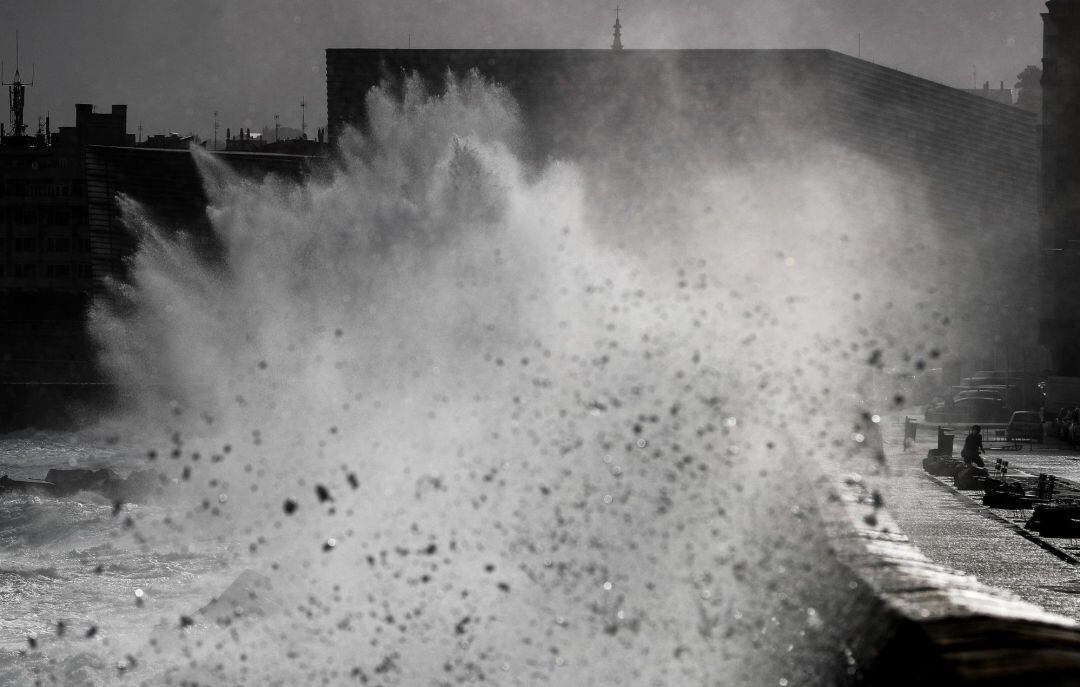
(61, 239)
(969, 164)
(1060, 330)
(45, 254)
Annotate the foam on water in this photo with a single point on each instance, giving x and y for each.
(461, 435)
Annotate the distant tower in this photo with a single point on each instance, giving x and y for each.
(17, 93)
(215, 129)
(616, 44)
(303, 121)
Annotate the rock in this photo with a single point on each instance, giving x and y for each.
(70, 481)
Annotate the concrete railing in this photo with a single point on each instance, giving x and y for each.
(919, 623)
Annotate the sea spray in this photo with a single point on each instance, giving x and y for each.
(464, 438)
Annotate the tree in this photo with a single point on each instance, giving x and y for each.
(1030, 86)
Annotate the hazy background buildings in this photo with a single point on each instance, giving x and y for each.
(242, 73)
(174, 63)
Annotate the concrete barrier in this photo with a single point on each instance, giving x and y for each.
(915, 622)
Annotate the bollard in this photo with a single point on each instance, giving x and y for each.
(944, 441)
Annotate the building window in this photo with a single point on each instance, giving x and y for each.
(26, 244)
(83, 271)
(58, 271)
(26, 270)
(58, 244)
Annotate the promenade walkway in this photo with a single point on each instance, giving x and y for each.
(954, 528)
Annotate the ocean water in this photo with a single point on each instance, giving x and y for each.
(420, 422)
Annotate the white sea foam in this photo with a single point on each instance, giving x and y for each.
(544, 459)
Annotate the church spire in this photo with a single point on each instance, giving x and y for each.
(616, 44)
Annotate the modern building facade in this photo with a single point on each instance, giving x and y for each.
(45, 259)
(61, 239)
(1060, 330)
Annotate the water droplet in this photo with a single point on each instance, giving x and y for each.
(607, 586)
(875, 418)
(222, 498)
(783, 682)
(608, 458)
(858, 437)
(642, 443)
(607, 498)
(730, 421)
(139, 593)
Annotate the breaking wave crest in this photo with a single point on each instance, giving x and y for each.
(464, 437)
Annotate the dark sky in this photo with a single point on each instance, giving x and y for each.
(175, 61)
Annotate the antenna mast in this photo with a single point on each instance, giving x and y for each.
(616, 44)
(17, 93)
(303, 121)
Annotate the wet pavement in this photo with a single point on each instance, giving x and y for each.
(954, 529)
